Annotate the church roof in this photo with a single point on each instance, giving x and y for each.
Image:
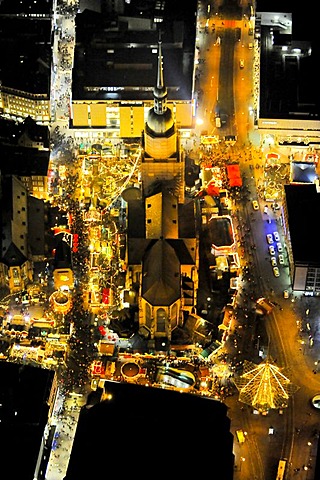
(13, 256)
(161, 274)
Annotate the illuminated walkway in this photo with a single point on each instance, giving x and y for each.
(66, 423)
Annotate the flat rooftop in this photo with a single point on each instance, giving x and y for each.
(25, 45)
(116, 55)
(24, 395)
(135, 421)
(303, 201)
(288, 62)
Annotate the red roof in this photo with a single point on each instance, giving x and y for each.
(213, 190)
(234, 176)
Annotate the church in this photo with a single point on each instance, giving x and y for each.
(162, 245)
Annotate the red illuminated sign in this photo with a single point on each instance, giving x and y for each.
(97, 368)
(75, 242)
(106, 296)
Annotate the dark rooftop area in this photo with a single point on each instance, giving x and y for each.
(151, 428)
(20, 160)
(302, 203)
(114, 57)
(288, 83)
(28, 7)
(220, 231)
(24, 412)
(25, 45)
(303, 172)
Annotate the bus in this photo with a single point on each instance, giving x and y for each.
(241, 435)
(281, 469)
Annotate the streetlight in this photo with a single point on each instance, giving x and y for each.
(242, 459)
(308, 465)
(310, 453)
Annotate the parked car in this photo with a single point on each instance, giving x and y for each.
(273, 261)
(255, 205)
(285, 293)
(281, 258)
(269, 238)
(265, 305)
(279, 247)
(276, 271)
(272, 250)
(276, 236)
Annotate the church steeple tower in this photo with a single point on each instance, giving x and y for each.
(160, 92)
(160, 130)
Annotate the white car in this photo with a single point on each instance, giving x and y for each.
(276, 271)
(269, 238)
(279, 247)
(273, 261)
(281, 258)
(272, 250)
(276, 236)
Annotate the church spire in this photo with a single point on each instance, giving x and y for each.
(160, 123)
(160, 91)
(160, 82)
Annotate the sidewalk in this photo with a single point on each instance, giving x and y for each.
(66, 419)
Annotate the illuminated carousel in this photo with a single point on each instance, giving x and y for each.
(61, 301)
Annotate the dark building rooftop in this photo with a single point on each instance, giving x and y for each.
(11, 132)
(24, 148)
(25, 45)
(24, 396)
(151, 429)
(23, 161)
(303, 172)
(220, 231)
(302, 203)
(26, 7)
(116, 54)
(62, 256)
(288, 84)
